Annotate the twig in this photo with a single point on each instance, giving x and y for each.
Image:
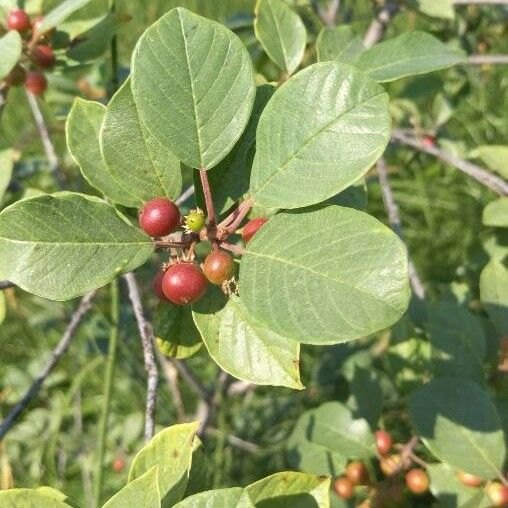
(57, 353)
(185, 196)
(191, 379)
(378, 26)
(240, 387)
(329, 14)
(147, 340)
(392, 210)
(49, 149)
(5, 284)
(233, 221)
(207, 191)
(488, 59)
(406, 453)
(481, 175)
(171, 374)
(235, 249)
(235, 441)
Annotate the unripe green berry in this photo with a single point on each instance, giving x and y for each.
(195, 221)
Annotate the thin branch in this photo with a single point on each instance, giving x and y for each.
(233, 222)
(190, 378)
(5, 284)
(406, 453)
(488, 59)
(235, 249)
(234, 440)
(171, 374)
(392, 210)
(481, 175)
(147, 340)
(60, 349)
(329, 14)
(378, 26)
(207, 191)
(49, 149)
(185, 196)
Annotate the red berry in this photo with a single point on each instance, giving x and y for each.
(183, 283)
(157, 286)
(36, 83)
(218, 267)
(417, 481)
(16, 77)
(251, 228)
(43, 56)
(343, 488)
(498, 494)
(357, 473)
(18, 20)
(159, 217)
(383, 442)
(469, 479)
(118, 465)
(428, 141)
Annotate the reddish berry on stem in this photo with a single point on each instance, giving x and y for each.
(18, 20)
(357, 473)
(16, 77)
(469, 479)
(118, 465)
(251, 228)
(157, 286)
(417, 481)
(498, 494)
(183, 283)
(383, 442)
(36, 83)
(428, 141)
(218, 267)
(159, 217)
(343, 488)
(43, 56)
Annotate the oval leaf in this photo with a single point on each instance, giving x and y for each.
(335, 274)
(320, 132)
(61, 246)
(495, 213)
(10, 49)
(6, 167)
(494, 294)
(60, 13)
(220, 498)
(281, 32)
(338, 44)
(146, 168)
(193, 83)
(43, 497)
(459, 424)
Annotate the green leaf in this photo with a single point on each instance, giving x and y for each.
(495, 156)
(146, 168)
(243, 347)
(60, 246)
(495, 213)
(60, 13)
(177, 335)
(366, 396)
(83, 131)
(285, 489)
(143, 492)
(334, 427)
(200, 74)
(406, 55)
(43, 497)
(338, 44)
(2, 307)
(171, 450)
(336, 274)
(10, 49)
(6, 167)
(494, 294)
(308, 456)
(458, 341)
(459, 424)
(281, 32)
(220, 498)
(437, 8)
(321, 131)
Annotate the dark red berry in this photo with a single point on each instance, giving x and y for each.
(343, 488)
(469, 480)
(157, 286)
(183, 283)
(218, 267)
(43, 56)
(16, 77)
(36, 83)
(159, 217)
(18, 20)
(417, 481)
(383, 442)
(357, 473)
(251, 228)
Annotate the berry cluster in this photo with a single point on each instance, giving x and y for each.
(389, 492)
(183, 280)
(37, 55)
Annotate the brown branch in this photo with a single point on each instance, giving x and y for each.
(235, 249)
(392, 209)
(233, 222)
(481, 175)
(488, 59)
(147, 340)
(62, 346)
(5, 284)
(207, 191)
(406, 454)
(377, 28)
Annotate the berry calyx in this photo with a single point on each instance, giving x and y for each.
(195, 221)
(343, 487)
(36, 83)
(118, 465)
(183, 283)
(43, 56)
(357, 473)
(390, 464)
(159, 217)
(16, 77)
(469, 479)
(157, 286)
(383, 442)
(18, 20)
(417, 481)
(218, 267)
(497, 493)
(252, 227)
